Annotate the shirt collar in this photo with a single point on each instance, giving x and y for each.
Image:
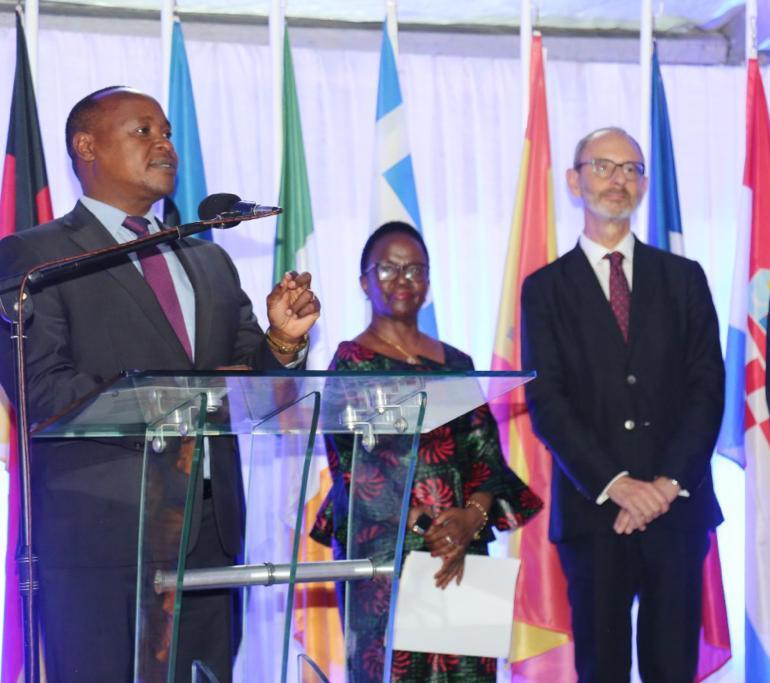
(112, 218)
(595, 252)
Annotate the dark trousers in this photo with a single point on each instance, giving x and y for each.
(605, 572)
(88, 618)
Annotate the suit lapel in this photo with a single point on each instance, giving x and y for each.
(89, 234)
(643, 291)
(595, 311)
(86, 231)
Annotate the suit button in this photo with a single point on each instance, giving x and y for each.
(631, 379)
(629, 425)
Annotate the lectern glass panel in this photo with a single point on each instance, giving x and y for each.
(277, 461)
(171, 485)
(381, 475)
(275, 416)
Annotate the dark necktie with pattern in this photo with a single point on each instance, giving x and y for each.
(620, 293)
(158, 276)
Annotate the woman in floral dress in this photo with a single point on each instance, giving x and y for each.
(461, 479)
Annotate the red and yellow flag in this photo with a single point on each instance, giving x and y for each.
(542, 646)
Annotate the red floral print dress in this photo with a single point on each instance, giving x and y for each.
(454, 461)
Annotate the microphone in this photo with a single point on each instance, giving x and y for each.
(227, 205)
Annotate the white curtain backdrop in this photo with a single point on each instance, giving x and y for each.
(466, 136)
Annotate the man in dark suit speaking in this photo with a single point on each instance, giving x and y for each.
(178, 308)
(628, 399)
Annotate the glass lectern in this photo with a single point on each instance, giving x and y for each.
(276, 417)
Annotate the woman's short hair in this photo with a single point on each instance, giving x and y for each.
(391, 228)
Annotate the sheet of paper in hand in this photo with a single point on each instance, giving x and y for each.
(474, 618)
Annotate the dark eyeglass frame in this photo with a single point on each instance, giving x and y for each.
(407, 269)
(632, 170)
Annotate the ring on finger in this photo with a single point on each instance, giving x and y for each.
(449, 540)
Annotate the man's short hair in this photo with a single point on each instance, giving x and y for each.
(581, 145)
(81, 117)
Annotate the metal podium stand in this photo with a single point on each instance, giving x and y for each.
(276, 417)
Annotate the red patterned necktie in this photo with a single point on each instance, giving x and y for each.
(620, 293)
(158, 276)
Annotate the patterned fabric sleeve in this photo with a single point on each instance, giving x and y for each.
(515, 502)
(330, 522)
(487, 472)
(455, 460)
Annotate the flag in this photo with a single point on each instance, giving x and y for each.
(665, 232)
(24, 202)
(542, 648)
(394, 195)
(294, 227)
(745, 434)
(731, 439)
(665, 228)
(317, 621)
(190, 186)
(295, 247)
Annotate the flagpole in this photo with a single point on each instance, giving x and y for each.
(31, 28)
(753, 582)
(166, 31)
(26, 560)
(525, 47)
(751, 29)
(646, 25)
(391, 14)
(277, 24)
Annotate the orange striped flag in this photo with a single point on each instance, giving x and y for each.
(542, 646)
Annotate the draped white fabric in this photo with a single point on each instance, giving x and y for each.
(569, 14)
(466, 137)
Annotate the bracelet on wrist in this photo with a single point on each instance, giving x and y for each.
(284, 348)
(475, 504)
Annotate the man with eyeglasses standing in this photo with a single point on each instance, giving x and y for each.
(628, 399)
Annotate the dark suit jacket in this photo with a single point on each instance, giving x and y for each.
(652, 407)
(88, 328)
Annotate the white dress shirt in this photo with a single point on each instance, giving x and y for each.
(596, 253)
(112, 219)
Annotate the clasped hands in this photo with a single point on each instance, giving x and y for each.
(640, 501)
(448, 537)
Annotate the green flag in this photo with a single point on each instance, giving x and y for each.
(295, 225)
(294, 241)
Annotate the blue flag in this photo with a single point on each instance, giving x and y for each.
(191, 178)
(665, 227)
(665, 232)
(394, 196)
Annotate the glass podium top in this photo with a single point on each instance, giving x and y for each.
(255, 402)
